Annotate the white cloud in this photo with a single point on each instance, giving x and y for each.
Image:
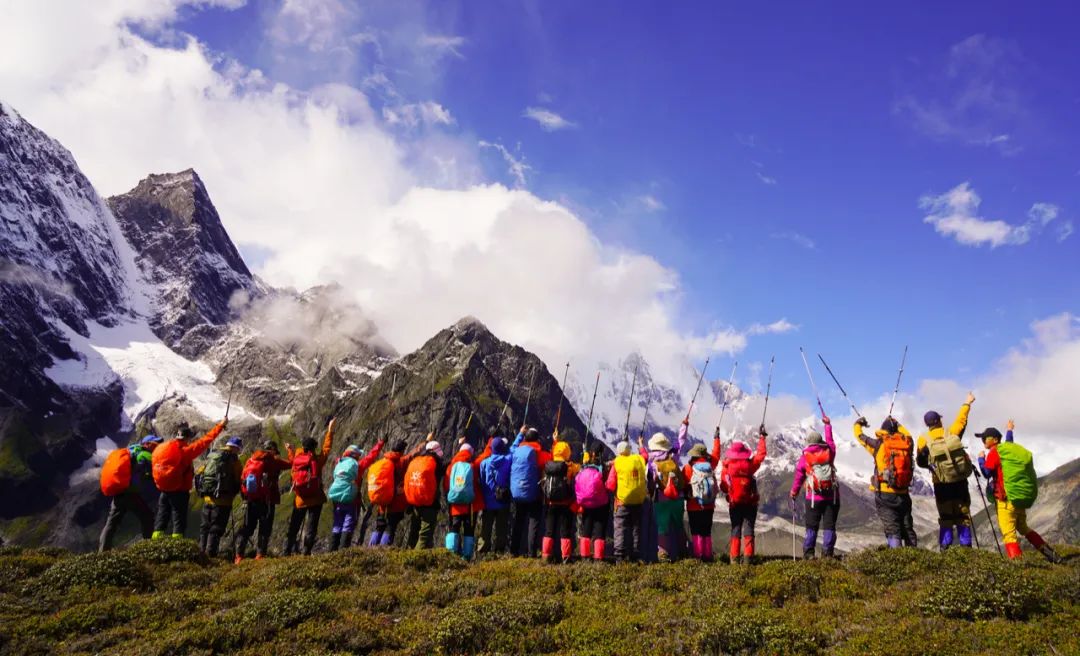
(955, 214)
(1065, 230)
(778, 327)
(443, 44)
(548, 120)
(411, 115)
(651, 203)
(515, 165)
(765, 179)
(795, 237)
(318, 184)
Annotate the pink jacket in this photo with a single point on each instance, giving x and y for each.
(800, 469)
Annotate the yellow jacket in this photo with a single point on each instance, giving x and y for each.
(873, 447)
(958, 427)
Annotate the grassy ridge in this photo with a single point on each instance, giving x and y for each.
(164, 598)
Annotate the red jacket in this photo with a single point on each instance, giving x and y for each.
(739, 464)
(274, 465)
(688, 473)
(401, 462)
(181, 458)
(477, 505)
(318, 498)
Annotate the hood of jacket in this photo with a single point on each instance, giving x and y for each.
(737, 451)
(561, 451)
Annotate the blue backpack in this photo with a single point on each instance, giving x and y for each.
(461, 484)
(495, 477)
(525, 474)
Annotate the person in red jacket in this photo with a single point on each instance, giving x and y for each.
(699, 512)
(388, 517)
(174, 473)
(738, 483)
(461, 536)
(259, 512)
(307, 469)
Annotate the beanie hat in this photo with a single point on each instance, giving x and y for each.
(185, 432)
(235, 443)
(399, 446)
(890, 425)
(659, 442)
(622, 448)
(698, 451)
(498, 445)
(309, 444)
(353, 450)
(931, 418)
(434, 447)
(814, 438)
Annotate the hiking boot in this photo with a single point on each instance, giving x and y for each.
(259, 556)
(237, 559)
(1048, 552)
(808, 554)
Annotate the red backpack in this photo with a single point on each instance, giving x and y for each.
(305, 475)
(739, 483)
(254, 480)
(820, 472)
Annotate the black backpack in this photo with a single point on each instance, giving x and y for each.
(556, 487)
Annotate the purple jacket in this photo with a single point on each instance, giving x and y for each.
(800, 469)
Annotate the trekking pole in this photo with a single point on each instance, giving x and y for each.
(989, 518)
(506, 403)
(794, 549)
(723, 407)
(644, 419)
(562, 390)
(768, 390)
(697, 389)
(630, 405)
(232, 386)
(588, 428)
(846, 398)
(811, 377)
(900, 375)
(528, 396)
(432, 420)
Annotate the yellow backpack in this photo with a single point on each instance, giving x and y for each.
(630, 474)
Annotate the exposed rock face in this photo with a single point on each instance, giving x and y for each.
(1056, 514)
(185, 252)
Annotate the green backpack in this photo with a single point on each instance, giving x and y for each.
(949, 460)
(215, 479)
(1018, 470)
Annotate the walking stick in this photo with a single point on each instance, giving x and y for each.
(811, 377)
(630, 405)
(697, 389)
(793, 548)
(588, 428)
(846, 398)
(768, 390)
(528, 397)
(900, 375)
(989, 518)
(723, 407)
(562, 396)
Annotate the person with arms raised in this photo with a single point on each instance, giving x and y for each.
(309, 497)
(174, 474)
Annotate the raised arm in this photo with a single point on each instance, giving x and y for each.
(372, 456)
(714, 456)
(960, 425)
(204, 442)
(760, 453)
(829, 441)
(680, 438)
(328, 440)
(871, 444)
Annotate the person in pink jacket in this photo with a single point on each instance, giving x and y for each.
(816, 472)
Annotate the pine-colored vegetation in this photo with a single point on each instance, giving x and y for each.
(164, 597)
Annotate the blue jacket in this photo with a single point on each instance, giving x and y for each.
(495, 468)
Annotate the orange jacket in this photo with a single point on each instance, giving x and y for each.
(320, 462)
(186, 453)
(477, 505)
(688, 473)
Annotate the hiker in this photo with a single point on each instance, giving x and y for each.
(738, 484)
(218, 482)
(944, 455)
(309, 497)
(700, 471)
(991, 475)
(1016, 486)
(528, 459)
(495, 486)
(134, 489)
(559, 499)
(628, 481)
(591, 493)
(422, 492)
(461, 483)
(386, 492)
(344, 489)
(667, 485)
(261, 493)
(892, 449)
(174, 474)
(816, 470)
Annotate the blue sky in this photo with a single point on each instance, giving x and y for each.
(786, 149)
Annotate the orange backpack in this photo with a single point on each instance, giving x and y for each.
(896, 467)
(168, 466)
(380, 482)
(420, 483)
(116, 473)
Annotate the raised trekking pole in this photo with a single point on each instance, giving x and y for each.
(432, 425)
(903, 361)
(528, 397)
(811, 377)
(232, 386)
(506, 403)
(833, 376)
(697, 389)
(644, 419)
(630, 405)
(588, 428)
(723, 407)
(562, 396)
(768, 390)
(989, 518)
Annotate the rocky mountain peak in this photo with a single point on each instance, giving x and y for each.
(183, 248)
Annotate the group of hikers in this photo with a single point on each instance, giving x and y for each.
(518, 497)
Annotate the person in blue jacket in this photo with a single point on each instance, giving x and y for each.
(495, 464)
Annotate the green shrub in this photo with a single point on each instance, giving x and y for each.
(783, 580)
(745, 630)
(167, 551)
(891, 565)
(974, 585)
(431, 559)
(18, 569)
(112, 569)
(470, 625)
(279, 610)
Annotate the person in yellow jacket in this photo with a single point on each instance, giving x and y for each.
(627, 480)
(892, 449)
(951, 491)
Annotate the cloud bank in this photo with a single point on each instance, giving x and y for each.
(955, 214)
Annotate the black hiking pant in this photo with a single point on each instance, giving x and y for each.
(743, 519)
(120, 506)
(700, 522)
(215, 520)
(594, 523)
(895, 513)
(494, 527)
(559, 520)
(525, 537)
(172, 511)
(308, 519)
(258, 515)
(628, 532)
